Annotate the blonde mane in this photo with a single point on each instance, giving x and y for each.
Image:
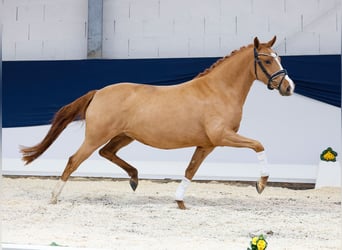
(219, 61)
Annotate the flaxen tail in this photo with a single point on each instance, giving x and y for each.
(62, 118)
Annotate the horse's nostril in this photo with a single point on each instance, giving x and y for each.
(287, 91)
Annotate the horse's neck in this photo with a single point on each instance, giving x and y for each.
(233, 76)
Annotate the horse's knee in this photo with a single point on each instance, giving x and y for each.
(258, 147)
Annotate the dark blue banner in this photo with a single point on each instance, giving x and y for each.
(34, 90)
(317, 77)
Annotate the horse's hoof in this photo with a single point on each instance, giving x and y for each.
(53, 201)
(261, 184)
(134, 184)
(181, 205)
(258, 188)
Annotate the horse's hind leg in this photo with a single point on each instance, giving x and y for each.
(74, 161)
(109, 152)
(196, 160)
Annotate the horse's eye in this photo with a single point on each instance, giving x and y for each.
(268, 62)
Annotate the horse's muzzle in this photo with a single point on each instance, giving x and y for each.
(287, 87)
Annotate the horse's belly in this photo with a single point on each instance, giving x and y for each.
(170, 139)
(165, 143)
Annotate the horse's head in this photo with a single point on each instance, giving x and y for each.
(268, 68)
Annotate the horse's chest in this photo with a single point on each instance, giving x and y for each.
(228, 119)
(232, 121)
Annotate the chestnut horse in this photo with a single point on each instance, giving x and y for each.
(205, 113)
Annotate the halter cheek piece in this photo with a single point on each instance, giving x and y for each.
(272, 77)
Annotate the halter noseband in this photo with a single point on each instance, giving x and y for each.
(272, 77)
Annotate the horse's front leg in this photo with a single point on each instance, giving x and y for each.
(232, 139)
(196, 160)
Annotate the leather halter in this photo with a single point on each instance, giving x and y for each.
(271, 78)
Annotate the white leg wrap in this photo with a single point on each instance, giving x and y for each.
(182, 189)
(264, 170)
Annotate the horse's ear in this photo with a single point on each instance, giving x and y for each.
(256, 43)
(271, 42)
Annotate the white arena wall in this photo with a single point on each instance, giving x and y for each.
(294, 130)
(53, 30)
